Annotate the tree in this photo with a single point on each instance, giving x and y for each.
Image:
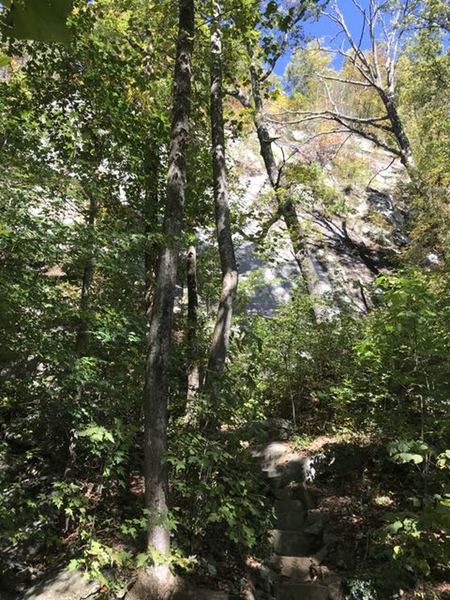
(258, 78)
(193, 371)
(387, 27)
(424, 85)
(99, 191)
(160, 325)
(222, 329)
(301, 73)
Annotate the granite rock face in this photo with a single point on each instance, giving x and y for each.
(348, 244)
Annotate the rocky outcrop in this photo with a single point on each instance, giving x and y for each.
(348, 245)
(61, 584)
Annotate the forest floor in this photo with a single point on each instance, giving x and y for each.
(332, 495)
(348, 492)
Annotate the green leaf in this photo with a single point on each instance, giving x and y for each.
(407, 457)
(74, 564)
(96, 433)
(4, 61)
(395, 527)
(40, 20)
(142, 559)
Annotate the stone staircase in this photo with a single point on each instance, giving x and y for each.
(299, 539)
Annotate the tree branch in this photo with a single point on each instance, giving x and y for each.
(326, 114)
(344, 80)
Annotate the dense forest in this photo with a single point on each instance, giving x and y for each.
(225, 299)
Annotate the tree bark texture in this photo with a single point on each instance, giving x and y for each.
(285, 204)
(151, 208)
(193, 379)
(398, 130)
(81, 341)
(160, 326)
(221, 335)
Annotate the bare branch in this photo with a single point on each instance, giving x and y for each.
(361, 10)
(330, 99)
(311, 115)
(353, 58)
(320, 134)
(338, 18)
(382, 170)
(344, 80)
(353, 126)
(342, 144)
(374, 139)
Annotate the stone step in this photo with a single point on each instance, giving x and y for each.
(289, 514)
(298, 491)
(315, 521)
(289, 468)
(206, 594)
(269, 454)
(301, 591)
(288, 505)
(298, 568)
(293, 521)
(62, 585)
(291, 542)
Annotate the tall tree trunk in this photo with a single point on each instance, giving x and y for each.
(262, 130)
(193, 379)
(151, 207)
(304, 258)
(82, 335)
(398, 129)
(81, 340)
(156, 383)
(221, 335)
(285, 204)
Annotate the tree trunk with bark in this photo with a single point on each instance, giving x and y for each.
(82, 334)
(158, 580)
(221, 335)
(81, 340)
(151, 208)
(398, 131)
(285, 204)
(193, 375)
(303, 256)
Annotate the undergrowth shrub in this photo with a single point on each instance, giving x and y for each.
(214, 500)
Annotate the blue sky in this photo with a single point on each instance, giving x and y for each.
(324, 27)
